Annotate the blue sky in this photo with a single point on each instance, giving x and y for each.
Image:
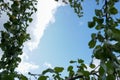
(62, 38)
(65, 38)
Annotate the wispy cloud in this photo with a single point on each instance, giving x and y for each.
(43, 17)
(47, 65)
(25, 67)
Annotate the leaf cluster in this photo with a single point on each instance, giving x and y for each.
(12, 38)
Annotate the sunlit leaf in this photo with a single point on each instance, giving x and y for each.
(92, 65)
(42, 78)
(92, 43)
(58, 69)
(80, 61)
(70, 68)
(48, 70)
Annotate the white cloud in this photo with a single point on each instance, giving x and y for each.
(44, 16)
(47, 65)
(25, 67)
(96, 62)
(24, 56)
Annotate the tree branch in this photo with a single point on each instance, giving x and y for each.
(76, 77)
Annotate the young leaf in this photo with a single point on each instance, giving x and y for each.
(48, 70)
(42, 78)
(72, 61)
(70, 68)
(92, 66)
(92, 43)
(80, 61)
(58, 69)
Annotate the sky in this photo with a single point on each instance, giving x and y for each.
(58, 35)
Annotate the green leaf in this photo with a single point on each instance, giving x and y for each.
(101, 71)
(23, 77)
(80, 61)
(118, 20)
(5, 76)
(93, 35)
(58, 69)
(7, 26)
(115, 34)
(98, 12)
(92, 65)
(91, 24)
(30, 19)
(83, 66)
(70, 68)
(110, 77)
(98, 52)
(42, 78)
(100, 21)
(100, 37)
(86, 73)
(116, 47)
(48, 70)
(98, 55)
(110, 68)
(99, 27)
(73, 61)
(92, 43)
(113, 10)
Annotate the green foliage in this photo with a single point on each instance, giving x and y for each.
(106, 51)
(14, 35)
(91, 24)
(76, 5)
(58, 69)
(92, 66)
(42, 78)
